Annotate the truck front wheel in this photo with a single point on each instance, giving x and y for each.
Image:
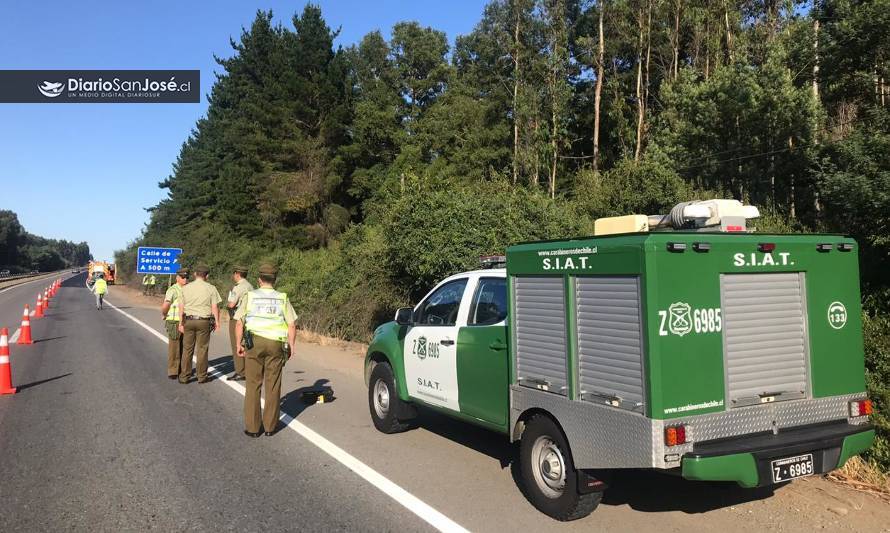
(548, 472)
(384, 401)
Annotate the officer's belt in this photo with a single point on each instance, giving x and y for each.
(193, 317)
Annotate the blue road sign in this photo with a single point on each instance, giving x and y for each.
(157, 260)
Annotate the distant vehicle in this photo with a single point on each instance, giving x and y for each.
(75, 270)
(35, 272)
(102, 267)
(4, 273)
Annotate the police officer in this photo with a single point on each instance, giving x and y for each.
(242, 287)
(152, 281)
(266, 323)
(176, 365)
(100, 288)
(198, 317)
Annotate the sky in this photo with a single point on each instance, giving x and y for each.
(86, 172)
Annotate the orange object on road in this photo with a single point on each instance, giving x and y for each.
(38, 309)
(5, 368)
(45, 299)
(25, 333)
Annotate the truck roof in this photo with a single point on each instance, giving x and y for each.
(686, 233)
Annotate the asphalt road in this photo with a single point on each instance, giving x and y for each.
(99, 439)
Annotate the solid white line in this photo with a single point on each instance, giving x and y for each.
(397, 493)
(15, 336)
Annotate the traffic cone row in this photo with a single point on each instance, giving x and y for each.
(24, 335)
(5, 369)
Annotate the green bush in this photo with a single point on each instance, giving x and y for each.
(433, 233)
(646, 187)
(876, 332)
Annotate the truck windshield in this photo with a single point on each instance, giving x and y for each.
(440, 308)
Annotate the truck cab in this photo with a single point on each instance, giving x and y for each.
(703, 350)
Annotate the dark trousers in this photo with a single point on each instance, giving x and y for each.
(196, 342)
(263, 364)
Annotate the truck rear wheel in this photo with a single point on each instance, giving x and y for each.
(384, 401)
(548, 472)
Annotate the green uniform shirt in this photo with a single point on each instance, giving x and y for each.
(174, 296)
(198, 297)
(236, 295)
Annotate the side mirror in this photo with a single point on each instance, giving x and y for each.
(405, 316)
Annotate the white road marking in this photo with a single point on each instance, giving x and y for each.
(397, 493)
(15, 336)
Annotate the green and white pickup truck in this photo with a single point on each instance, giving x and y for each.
(684, 343)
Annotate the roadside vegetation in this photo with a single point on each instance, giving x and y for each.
(368, 172)
(22, 252)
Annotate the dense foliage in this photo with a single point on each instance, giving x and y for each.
(370, 171)
(21, 251)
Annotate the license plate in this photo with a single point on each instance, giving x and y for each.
(792, 467)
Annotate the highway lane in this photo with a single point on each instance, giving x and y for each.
(464, 472)
(98, 439)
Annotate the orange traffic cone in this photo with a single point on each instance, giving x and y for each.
(45, 299)
(25, 333)
(38, 309)
(5, 370)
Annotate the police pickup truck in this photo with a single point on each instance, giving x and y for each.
(685, 343)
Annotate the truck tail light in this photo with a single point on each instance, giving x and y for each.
(824, 247)
(766, 247)
(845, 246)
(860, 408)
(675, 435)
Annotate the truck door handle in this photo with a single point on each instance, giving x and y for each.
(446, 342)
(496, 345)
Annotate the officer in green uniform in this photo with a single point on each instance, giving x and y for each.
(198, 317)
(152, 281)
(266, 324)
(176, 365)
(236, 295)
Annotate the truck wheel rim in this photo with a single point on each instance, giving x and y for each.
(548, 467)
(381, 399)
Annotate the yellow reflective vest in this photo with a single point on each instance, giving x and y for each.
(265, 314)
(175, 302)
(100, 286)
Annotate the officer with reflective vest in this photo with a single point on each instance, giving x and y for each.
(176, 366)
(266, 332)
(100, 288)
(236, 296)
(199, 317)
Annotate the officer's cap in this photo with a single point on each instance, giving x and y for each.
(183, 272)
(202, 269)
(241, 269)
(268, 270)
